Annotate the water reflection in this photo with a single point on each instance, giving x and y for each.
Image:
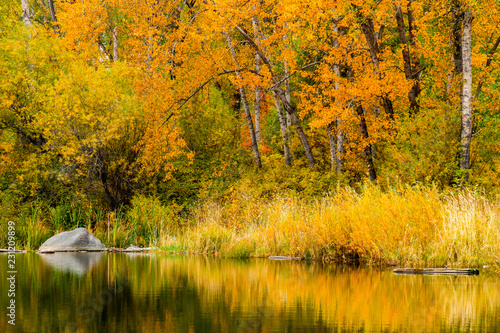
(160, 293)
(72, 262)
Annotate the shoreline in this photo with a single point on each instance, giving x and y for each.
(413, 267)
(410, 226)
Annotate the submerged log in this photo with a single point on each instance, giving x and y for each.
(437, 271)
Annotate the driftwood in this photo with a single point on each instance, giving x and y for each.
(131, 248)
(437, 271)
(284, 258)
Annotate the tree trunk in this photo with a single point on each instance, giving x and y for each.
(302, 135)
(456, 58)
(367, 147)
(53, 16)
(466, 130)
(282, 96)
(491, 52)
(288, 93)
(284, 131)
(258, 90)
(410, 65)
(369, 32)
(371, 39)
(340, 147)
(115, 44)
(26, 16)
(457, 17)
(246, 108)
(334, 159)
(405, 47)
(149, 58)
(339, 151)
(416, 67)
(257, 101)
(284, 121)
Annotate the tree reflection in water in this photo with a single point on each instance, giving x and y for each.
(161, 293)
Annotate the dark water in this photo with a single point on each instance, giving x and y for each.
(97, 292)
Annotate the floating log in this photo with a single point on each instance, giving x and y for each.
(12, 251)
(284, 258)
(114, 249)
(131, 248)
(437, 271)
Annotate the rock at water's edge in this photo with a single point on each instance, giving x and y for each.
(75, 240)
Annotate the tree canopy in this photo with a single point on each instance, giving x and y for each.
(104, 100)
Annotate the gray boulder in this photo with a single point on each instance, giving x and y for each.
(75, 240)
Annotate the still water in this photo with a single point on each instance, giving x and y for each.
(98, 292)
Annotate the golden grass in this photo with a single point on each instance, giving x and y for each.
(411, 225)
(418, 226)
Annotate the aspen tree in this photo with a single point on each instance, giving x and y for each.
(466, 129)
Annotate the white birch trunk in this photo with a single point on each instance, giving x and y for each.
(284, 130)
(339, 149)
(285, 122)
(115, 44)
(246, 107)
(466, 131)
(255, 24)
(334, 160)
(26, 13)
(290, 110)
(288, 93)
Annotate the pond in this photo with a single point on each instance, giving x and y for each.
(101, 292)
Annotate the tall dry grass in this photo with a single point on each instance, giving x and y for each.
(410, 225)
(407, 225)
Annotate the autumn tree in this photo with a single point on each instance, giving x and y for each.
(107, 99)
(412, 67)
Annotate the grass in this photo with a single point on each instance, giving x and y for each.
(417, 226)
(408, 225)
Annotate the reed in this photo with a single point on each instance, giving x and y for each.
(150, 221)
(410, 225)
(31, 231)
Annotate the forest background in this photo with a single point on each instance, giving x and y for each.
(341, 130)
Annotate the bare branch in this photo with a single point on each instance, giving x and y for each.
(292, 74)
(200, 87)
(488, 63)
